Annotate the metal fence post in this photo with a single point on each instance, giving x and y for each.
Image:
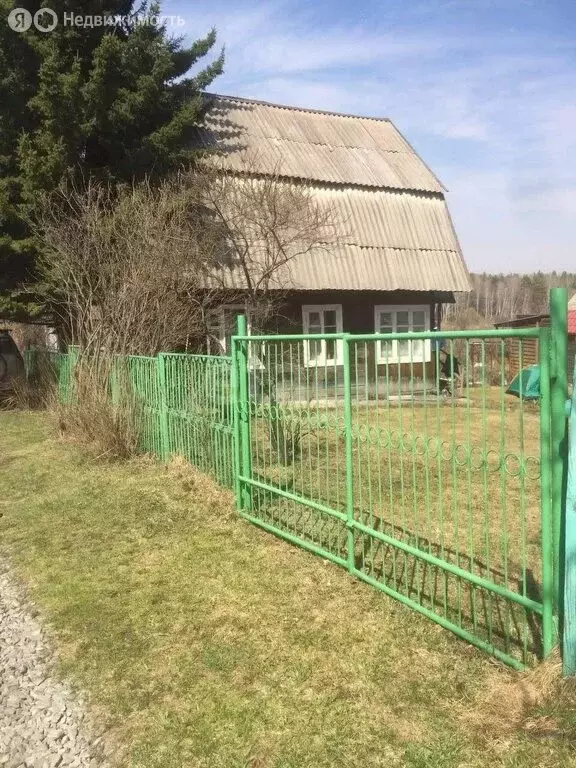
(349, 456)
(163, 407)
(559, 446)
(66, 375)
(547, 543)
(569, 605)
(29, 357)
(244, 491)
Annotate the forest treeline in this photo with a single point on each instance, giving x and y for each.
(501, 297)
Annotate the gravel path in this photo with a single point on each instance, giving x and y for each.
(42, 725)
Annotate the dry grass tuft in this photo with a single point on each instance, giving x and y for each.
(508, 701)
(112, 428)
(202, 487)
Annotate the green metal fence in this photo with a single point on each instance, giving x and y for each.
(183, 407)
(423, 478)
(412, 468)
(45, 367)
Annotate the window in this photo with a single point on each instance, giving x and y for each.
(322, 318)
(223, 327)
(388, 319)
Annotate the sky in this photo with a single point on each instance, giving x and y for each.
(485, 90)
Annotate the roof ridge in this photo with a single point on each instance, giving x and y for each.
(298, 109)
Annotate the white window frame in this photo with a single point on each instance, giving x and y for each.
(393, 309)
(322, 360)
(220, 316)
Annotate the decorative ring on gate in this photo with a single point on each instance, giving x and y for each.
(476, 453)
(419, 445)
(404, 440)
(385, 439)
(433, 447)
(462, 454)
(493, 460)
(374, 435)
(532, 461)
(513, 466)
(446, 450)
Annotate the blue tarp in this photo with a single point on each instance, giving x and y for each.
(526, 383)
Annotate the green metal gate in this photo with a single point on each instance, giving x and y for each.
(412, 468)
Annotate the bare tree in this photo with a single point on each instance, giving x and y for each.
(116, 263)
(138, 270)
(266, 224)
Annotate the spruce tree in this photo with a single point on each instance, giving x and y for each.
(116, 101)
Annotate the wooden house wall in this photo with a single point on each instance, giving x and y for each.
(358, 318)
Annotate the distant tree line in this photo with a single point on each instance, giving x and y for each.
(501, 297)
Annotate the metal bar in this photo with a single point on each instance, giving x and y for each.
(349, 455)
(446, 623)
(163, 409)
(491, 333)
(243, 405)
(558, 398)
(210, 358)
(324, 553)
(490, 586)
(235, 397)
(294, 497)
(546, 495)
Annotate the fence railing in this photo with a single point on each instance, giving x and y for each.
(413, 468)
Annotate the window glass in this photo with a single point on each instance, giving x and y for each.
(418, 320)
(387, 350)
(330, 348)
(402, 322)
(315, 349)
(404, 350)
(386, 322)
(329, 321)
(315, 321)
(419, 349)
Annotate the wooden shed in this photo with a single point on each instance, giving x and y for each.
(520, 355)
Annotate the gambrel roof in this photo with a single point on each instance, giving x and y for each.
(397, 233)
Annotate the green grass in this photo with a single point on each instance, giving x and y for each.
(203, 641)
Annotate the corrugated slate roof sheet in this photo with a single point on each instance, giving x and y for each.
(353, 267)
(395, 230)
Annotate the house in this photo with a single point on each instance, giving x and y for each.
(398, 258)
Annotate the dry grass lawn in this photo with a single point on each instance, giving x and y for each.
(204, 642)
